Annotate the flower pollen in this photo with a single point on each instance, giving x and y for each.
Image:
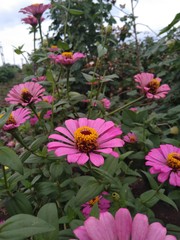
(26, 95)
(94, 201)
(173, 160)
(153, 85)
(11, 120)
(67, 54)
(86, 139)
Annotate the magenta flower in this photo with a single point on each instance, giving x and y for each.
(103, 204)
(31, 20)
(150, 85)
(84, 139)
(165, 161)
(106, 103)
(66, 58)
(134, 109)
(35, 9)
(25, 93)
(121, 227)
(130, 138)
(39, 79)
(48, 98)
(16, 118)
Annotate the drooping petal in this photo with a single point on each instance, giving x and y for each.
(96, 159)
(81, 233)
(139, 227)
(156, 231)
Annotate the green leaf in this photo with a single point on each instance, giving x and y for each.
(174, 21)
(63, 45)
(49, 214)
(18, 204)
(10, 159)
(149, 198)
(75, 12)
(23, 226)
(166, 199)
(151, 180)
(89, 190)
(101, 50)
(5, 116)
(38, 142)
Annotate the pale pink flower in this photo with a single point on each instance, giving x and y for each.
(165, 161)
(150, 85)
(39, 79)
(134, 109)
(121, 227)
(130, 138)
(53, 48)
(103, 204)
(84, 139)
(48, 98)
(66, 58)
(36, 9)
(31, 20)
(25, 93)
(106, 103)
(16, 118)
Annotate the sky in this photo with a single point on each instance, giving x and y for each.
(156, 14)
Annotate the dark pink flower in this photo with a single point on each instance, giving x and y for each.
(150, 85)
(66, 58)
(48, 98)
(165, 161)
(16, 118)
(85, 139)
(31, 20)
(35, 9)
(130, 138)
(134, 109)
(103, 204)
(39, 79)
(121, 227)
(106, 103)
(25, 93)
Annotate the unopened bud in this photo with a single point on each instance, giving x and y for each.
(174, 130)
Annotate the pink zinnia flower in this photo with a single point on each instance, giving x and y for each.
(53, 48)
(36, 9)
(31, 20)
(165, 161)
(48, 98)
(134, 109)
(103, 204)
(25, 93)
(106, 103)
(16, 118)
(121, 227)
(39, 79)
(84, 139)
(150, 85)
(66, 58)
(130, 138)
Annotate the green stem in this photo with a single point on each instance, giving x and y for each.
(67, 84)
(40, 30)
(5, 181)
(125, 106)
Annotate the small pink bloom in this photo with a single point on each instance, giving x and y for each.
(130, 138)
(103, 204)
(134, 109)
(35, 9)
(33, 120)
(25, 93)
(121, 227)
(85, 139)
(48, 98)
(39, 79)
(31, 20)
(66, 58)
(150, 85)
(16, 118)
(106, 103)
(48, 114)
(165, 161)
(53, 48)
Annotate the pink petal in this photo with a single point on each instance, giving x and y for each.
(71, 125)
(106, 126)
(61, 138)
(123, 222)
(110, 134)
(156, 231)
(116, 142)
(139, 227)
(79, 158)
(82, 122)
(81, 233)
(170, 237)
(104, 150)
(65, 151)
(65, 132)
(175, 179)
(162, 177)
(96, 159)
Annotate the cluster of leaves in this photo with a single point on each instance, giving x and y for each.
(7, 72)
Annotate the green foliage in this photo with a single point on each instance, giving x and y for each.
(7, 72)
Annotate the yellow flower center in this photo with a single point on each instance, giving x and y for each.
(86, 139)
(173, 160)
(67, 54)
(54, 46)
(11, 120)
(26, 95)
(153, 85)
(94, 200)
